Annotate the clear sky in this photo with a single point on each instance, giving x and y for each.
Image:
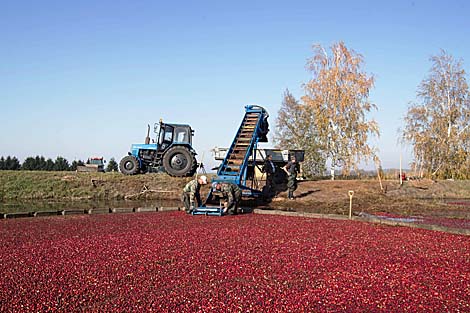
(83, 78)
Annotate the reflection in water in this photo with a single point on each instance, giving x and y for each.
(393, 219)
(36, 206)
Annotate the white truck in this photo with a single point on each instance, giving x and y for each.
(94, 164)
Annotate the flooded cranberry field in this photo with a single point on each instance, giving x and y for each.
(174, 262)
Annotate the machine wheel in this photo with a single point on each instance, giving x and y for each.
(129, 165)
(179, 161)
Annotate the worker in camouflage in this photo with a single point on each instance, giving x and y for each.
(232, 195)
(292, 169)
(192, 193)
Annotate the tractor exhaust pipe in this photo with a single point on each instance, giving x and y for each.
(147, 139)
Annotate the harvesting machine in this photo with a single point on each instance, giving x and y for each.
(253, 129)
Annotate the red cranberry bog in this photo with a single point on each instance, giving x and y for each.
(174, 262)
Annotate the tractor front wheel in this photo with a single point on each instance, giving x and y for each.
(179, 161)
(129, 165)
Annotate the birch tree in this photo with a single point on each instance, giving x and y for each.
(438, 125)
(295, 129)
(338, 97)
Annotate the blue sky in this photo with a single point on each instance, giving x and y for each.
(85, 78)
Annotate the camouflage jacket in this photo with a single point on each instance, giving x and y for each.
(232, 192)
(193, 188)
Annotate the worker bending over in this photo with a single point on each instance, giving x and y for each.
(192, 193)
(232, 195)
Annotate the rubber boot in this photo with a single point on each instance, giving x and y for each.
(191, 208)
(290, 195)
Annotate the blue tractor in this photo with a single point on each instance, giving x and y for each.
(172, 150)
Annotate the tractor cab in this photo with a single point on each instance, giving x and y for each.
(168, 134)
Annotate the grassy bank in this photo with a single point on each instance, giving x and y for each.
(31, 185)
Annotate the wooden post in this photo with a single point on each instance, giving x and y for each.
(351, 194)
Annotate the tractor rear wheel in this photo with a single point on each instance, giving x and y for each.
(129, 165)
(179, 161)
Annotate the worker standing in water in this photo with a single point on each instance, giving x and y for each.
(192, 193)
(292, 169)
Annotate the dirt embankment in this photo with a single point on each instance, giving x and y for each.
(424, 197)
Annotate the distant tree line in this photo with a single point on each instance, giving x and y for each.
(40, 163)
(9, 163)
